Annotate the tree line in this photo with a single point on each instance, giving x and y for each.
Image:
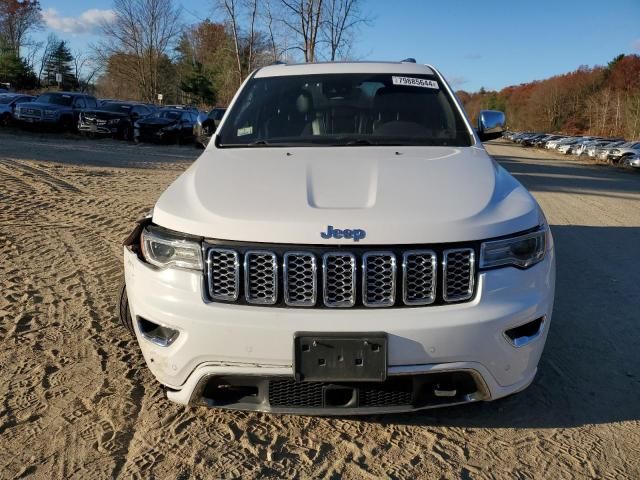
(600, 100)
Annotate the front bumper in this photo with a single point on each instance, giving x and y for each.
(222, 340)
(104, 129)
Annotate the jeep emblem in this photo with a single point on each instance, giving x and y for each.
(347, 234)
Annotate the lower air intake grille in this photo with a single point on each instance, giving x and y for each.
(289, 393)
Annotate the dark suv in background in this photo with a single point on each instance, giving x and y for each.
(56, 109)
(168, 125)
(113, 119)
(8, 104)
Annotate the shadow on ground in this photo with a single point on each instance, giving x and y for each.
(590, 369)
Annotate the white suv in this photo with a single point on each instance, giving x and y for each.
(344, 245)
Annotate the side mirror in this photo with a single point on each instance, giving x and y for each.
(491, 124)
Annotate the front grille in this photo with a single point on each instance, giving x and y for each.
(339, 282)
(300, 273)
(223, 269)
(378, 279)
(321, 277)
(261, 277)
(31, 111)
(458, 266)
(419, 281)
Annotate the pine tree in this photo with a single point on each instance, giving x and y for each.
(60, 61)
(14, 70)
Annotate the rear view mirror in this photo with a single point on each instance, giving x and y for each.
(491, 124)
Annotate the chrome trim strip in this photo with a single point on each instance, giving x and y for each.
(365, 289)
(352, 300)
(525, 340)
(469, 292)
(247, 291)
(434, 271)
(236, 265)
(314, 280)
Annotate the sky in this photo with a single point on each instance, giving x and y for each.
(474, 43)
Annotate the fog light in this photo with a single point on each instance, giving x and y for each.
(158, 334)
(525, 334)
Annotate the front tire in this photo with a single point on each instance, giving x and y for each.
(124, 313)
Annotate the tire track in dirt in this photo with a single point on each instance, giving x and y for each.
(78, 401)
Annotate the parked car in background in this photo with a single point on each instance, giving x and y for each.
(206, 126)
(531, 140)
(55, 109)
(190, 108)
(8, 103)
(113, 118)
(632, 160)
(601, 152)
(618, 153)
(566, 147)
(168, 125)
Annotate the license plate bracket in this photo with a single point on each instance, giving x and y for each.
(340, 357)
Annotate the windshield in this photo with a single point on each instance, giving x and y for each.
(116, 107)
(55, 99)
(168, 114)
(353, 109)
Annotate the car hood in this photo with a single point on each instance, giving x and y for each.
(48, 106)
(398, 195)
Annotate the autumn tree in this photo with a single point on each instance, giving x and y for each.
(145, 31)
(17, 18)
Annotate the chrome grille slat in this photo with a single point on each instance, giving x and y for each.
(260, 277)
(378, 279)
(223, 274)
(300, 279)
(458, 267)
(419, 271)
(339, 279)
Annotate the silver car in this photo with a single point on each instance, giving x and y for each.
(632, 160)
(618, 153)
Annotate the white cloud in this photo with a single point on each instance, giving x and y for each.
(87, 22)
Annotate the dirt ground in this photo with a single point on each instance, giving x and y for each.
(78, 402)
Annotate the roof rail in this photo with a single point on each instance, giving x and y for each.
(409, 60)
(278, 62)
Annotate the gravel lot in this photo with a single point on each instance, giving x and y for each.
(78, 402)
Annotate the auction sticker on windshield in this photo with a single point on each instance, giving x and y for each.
(415, 82)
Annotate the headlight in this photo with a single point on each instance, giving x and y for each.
(615, 150)
(49, 113)
(522, 251)
(166, 250)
